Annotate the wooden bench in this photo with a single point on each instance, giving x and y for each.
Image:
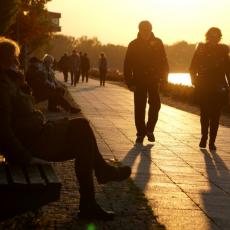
(26, 188)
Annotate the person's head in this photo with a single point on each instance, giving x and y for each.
(102, 55)
(213, 35)
(48, 60)
(9, 52)
(74, 52)
(35, 62)
(145, 30)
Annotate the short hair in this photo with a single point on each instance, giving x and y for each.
(145, 25)
(48, 58)
(8, 47)
(213, 32)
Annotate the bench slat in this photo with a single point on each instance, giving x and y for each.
(34, 175)
(24, 189)
(49, 174)
(17, 175)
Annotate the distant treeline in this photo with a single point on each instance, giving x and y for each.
(179, 54)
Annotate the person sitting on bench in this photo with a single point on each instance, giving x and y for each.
(41, 78)
(26, 139)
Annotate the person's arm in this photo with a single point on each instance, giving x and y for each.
(88, 64)
(11, 147)
(163, 63)
(194, 66)
(227, 65)
(128, 67)
(228, 72)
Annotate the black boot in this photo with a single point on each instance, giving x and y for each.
(74, 110)
(203, 142)
(213, 134)
(212, 146)
(111, 173)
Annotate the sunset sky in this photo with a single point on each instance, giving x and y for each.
(115, 21)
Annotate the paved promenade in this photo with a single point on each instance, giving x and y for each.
(187, 188)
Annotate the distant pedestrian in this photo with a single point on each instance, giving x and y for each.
(80, 67)
(64, 65)
(209, 68)
(145, 66)
(103, 68)
(85, 66)
(75, 67)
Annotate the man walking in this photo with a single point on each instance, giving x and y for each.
(85, 66)
(75, 67)
(64, 65)
(145, 66)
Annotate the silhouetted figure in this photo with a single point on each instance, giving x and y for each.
(64, 65)
(103, 68)
(145, 66)
(75, 67)
(25, 138)
(41, 78)
(85, 67)
(209, 68)
(80, 67)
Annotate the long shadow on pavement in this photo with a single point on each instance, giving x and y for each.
(216, 202)
(138, 158)
(88, 89)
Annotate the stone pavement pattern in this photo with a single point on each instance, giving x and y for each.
(187, 188)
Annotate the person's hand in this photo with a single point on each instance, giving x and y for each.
(38, 161)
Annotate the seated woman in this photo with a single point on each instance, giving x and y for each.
(41, 78)
(26, 139)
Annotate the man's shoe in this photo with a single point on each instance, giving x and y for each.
(74, 110)
(95, 212)
(203, 143)
(151, 137)
(212, 147)
(139, 140)
(114, 174)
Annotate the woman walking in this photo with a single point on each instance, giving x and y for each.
(210, 72)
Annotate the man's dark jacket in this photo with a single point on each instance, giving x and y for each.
(145, 62)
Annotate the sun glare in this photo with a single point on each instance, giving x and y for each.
(180, 78)
(116, 21)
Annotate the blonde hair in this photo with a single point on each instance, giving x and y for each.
(8, 47)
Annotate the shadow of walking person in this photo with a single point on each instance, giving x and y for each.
(216, 201)
(139, 158)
